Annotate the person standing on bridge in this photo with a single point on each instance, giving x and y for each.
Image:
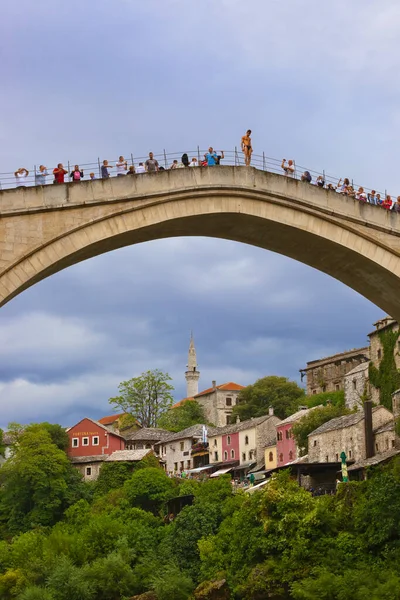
(151, 164)
(288, 168)
(20, 176)
(122, 166)
(246, 147)
(211, 157)
(40, 175)
(396, 205)
(59, 172)
(76, 174)
(104, 169)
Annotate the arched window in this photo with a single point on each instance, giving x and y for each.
(290, 455)
(225, 455)
(229, 440)
(244, 456)
(246, 440)
(281, 457)
(271, 457)
(232, 454)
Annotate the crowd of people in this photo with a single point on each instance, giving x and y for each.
(210, 159)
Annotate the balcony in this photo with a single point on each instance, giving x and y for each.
(199, 449)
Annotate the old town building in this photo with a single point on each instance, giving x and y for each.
(286, 448)
(356, 386)
(327, 374)
(184, 450)
(377, 348)
(347, 434)
(270, 459)
(148, 437)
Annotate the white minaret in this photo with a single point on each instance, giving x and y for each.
(192, 375)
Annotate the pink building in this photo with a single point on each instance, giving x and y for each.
(230, 447)
(286, 449)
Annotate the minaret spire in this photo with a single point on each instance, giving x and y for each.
(192, 375)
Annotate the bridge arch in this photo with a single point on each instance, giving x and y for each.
(46, 229)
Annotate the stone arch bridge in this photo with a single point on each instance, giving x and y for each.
(47, 228)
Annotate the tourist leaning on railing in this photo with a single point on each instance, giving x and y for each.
(40, 175)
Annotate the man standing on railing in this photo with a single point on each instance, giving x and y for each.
(20, 177)
(40, 175)
(246, 147)
(151, 164)
(288, 168)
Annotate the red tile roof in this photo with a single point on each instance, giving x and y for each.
(111, 419)
(229, 387)
(181, 402)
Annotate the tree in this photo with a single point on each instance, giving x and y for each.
(149, 489)
(145, 397)
(35, 482)
(187, 414)
(313, 420)
(58, 435)
(283, 395)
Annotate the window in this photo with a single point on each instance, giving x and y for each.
(232, 454)
(228, 401)
(290, 455)
(337, 387)
(314, 391)
(377, 447)
(164, 449)
(280, 436)
(379, 354)
(228, 441)
(326, 458)
(246, 440)
(95, 440)
(287, 434)
(354, 384)
(148, 446)
(75, 442)
(228, 419)
(225, 455)
(315, 443)
(182, 465)
(337, 457)
(243, 456)
(281, 457)
(215, 456)
(188, 464)
(85, 441)
(271, 457)
(349, 453)
(215, 442)
(324, 388)
(175, 466)
(393, 442)
(251, 455)
(182, 446)
(88, 471)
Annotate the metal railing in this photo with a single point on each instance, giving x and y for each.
(165, 159)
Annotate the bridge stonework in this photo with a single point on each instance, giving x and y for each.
(47, 228)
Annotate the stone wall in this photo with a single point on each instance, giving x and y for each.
(356, 383)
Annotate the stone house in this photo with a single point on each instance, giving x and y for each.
(90, 466)
(356, 384)
(183, 450)
(376, 348)
(146, 438)
(286, 448)
(218, 402)
(346, 434)
(327, 374)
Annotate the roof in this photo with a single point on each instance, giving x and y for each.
(383, 324)
(374, 460)
(341, 355)
(88, 459)
(111, 419)
(98, 425)
(181, 402)
(193, 431)
(342, 422)
(228, 387)
(297, 415)
(270, 442)
(385, 427)
(148, 433)
(241, 426)
(361, 367)
(127, 455)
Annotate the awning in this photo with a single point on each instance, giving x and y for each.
(221, 472)
(198, 469)
(246, 465)
(258, 468)
(253, 488)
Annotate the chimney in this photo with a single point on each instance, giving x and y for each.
(271, 411)
(396, 404)
(237, 419)
(369, 436)
(214, 385)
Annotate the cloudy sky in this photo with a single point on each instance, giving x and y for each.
(316, 81)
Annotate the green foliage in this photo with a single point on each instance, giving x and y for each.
(150, 460)
(36, 482)
(313, 420)
(386, 378)
(35, 592)
(283, 395)
(169, 583)
(112, 476)
(149, 489)
(187, 414)
(68, 582)
(145, 397)
(334, 398)
(58, 435)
